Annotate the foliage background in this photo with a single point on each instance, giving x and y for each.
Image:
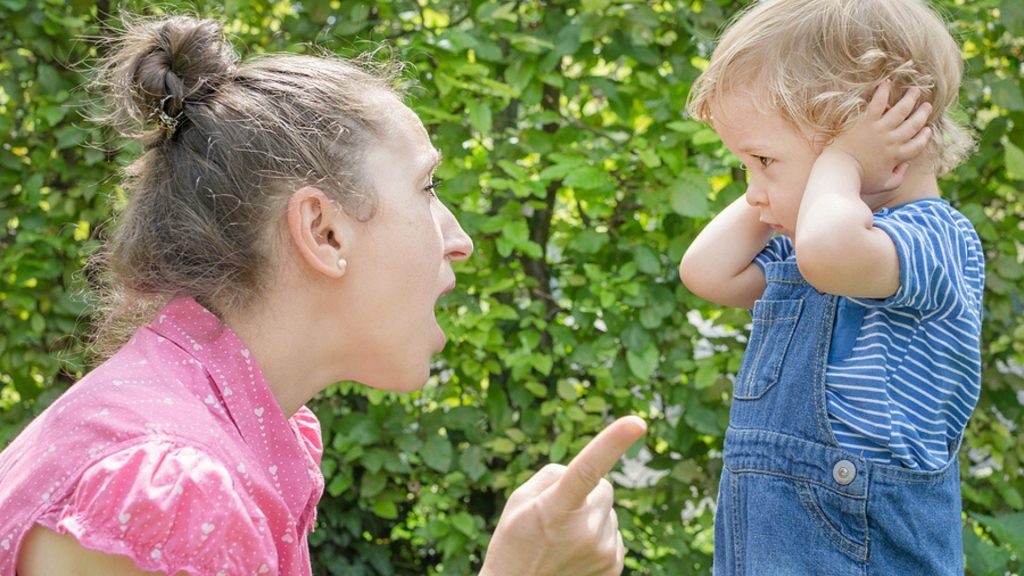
(571, 163)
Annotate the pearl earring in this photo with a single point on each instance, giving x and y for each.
(342, 265)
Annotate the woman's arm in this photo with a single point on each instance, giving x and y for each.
(44, 552)
(718, 266)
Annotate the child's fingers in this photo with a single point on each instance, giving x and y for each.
(902, 110)
(879, 100)
(913, 125)
(917, 144)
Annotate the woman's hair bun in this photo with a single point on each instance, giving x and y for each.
(156, 68)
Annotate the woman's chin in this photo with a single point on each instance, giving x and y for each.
(442, 338)
(401, 383)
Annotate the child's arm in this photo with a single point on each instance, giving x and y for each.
(838, 249)
(718, 266)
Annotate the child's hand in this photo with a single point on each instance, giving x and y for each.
(883, 141)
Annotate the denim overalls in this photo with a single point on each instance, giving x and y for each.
(790, 500)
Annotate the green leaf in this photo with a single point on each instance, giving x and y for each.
(358, 429)
(567, 391)
(49, 80)
(703, 420)
(595, 404)
(1012, 12)
(689, 195)
(590, 241)
(529, 43)
(568, 41)
(1008, 529)
(594, 5)
(705, 136)
(437, 453)
(69, 136)
(542, 363)
(385, 507)
(479, 115)
(472, 462)
(1006, 93)
(706, 377)
(649, 157)
(503, 446)
(647, 260)
(372, 484)
(464, 523)
(642, 365)
(587, 178)
(339, 484)
(1014, 161)
(537, 389)
(984, 559)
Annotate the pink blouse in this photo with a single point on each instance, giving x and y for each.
(175, 453)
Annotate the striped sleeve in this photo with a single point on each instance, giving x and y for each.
(935, 258)
(778, 249)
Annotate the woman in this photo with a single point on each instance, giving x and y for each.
(284, 216)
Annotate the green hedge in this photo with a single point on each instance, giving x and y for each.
(569, 160)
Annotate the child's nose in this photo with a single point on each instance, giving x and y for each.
(755, 197)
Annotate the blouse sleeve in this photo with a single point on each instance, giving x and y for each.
(308, 428)
(170, 509)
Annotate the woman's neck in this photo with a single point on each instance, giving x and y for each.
(281, 335)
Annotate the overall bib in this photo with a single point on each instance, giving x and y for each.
(790, 500)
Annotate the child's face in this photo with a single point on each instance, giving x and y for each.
(777, 156)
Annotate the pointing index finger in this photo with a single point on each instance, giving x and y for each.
(596, 459)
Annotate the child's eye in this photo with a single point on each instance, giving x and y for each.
(765, 162)
(433, 187)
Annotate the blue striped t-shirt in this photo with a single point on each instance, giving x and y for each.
(904, 373)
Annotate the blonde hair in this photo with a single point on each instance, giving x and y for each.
(817, 63)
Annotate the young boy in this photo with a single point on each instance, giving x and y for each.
(863, 365)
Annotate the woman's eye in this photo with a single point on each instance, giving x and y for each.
(433, 187)
(765, 162)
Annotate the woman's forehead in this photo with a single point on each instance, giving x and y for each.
(407, 137)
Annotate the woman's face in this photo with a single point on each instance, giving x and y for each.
(400, 262)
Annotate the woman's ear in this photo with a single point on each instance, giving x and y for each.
(317, 228)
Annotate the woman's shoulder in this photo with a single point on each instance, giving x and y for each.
(169, 507)
(307, 427)
(149, 387)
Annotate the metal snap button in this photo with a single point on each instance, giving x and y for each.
(844, 472)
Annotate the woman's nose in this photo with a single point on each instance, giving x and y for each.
(457, 244)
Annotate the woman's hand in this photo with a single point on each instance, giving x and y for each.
(561, 521)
